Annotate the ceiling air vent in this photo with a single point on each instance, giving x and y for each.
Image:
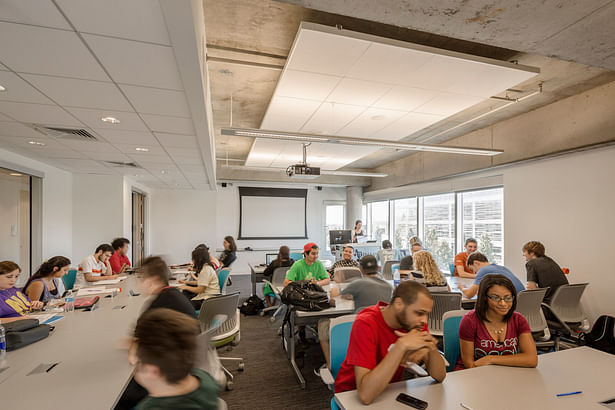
(78, 134)
(122, 164)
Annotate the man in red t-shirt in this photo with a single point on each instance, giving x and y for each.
(385, 338)
(119, 261)
(461, 260)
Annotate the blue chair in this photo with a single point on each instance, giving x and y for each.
(339, 338)
(69, 279)
(296, 256)
(222, 279)
(451, 321)
(451, 267)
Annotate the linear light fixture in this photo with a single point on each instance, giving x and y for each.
(322, 171)
(288, 136)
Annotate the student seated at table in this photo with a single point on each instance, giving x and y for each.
(365, 292)
(309, 267)
(282, 261)
(481, 266)
(96, 267)
(406, 266)
(461, 260)
(228, 256)
(14, 305)
(386, 253)
(119, 261)
(155, 282)
(494, 333)
(415, 245)
(164, 353)
(384, 338)
(542, 271)
(424, 263)
(207, 283)
(347, 261)
(44, 285)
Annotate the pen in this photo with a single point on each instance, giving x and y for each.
(568, 394)
(465, 407)
(52, 366)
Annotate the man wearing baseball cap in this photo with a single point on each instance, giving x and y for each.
(309, 267)
(365, 292)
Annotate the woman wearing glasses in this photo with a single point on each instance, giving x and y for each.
(494, 333)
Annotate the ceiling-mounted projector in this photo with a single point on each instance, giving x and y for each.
(302, 171)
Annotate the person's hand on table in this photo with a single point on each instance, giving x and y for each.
(181, 281)
(483, 361)
(461, 286)
(37, 305)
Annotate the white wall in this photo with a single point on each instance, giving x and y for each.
(10, 234)
(567, 203)
(98, 212)
(182, 219)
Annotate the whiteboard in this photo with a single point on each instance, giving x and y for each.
(272, 217)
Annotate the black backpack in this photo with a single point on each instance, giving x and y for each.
(251, 306)
(602, 335)
(305, 295)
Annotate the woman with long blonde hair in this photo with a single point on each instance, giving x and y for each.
(424, 262)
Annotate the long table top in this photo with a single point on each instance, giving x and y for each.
(92, 370)
(582, 369)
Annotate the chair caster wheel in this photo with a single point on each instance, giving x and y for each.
(229, 385)
(241, 367)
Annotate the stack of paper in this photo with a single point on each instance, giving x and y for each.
(108, 281)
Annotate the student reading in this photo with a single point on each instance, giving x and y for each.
(14, 305)
(44, 285)
(207, 283)
(494, 333)
(384, 338)
(119, 261)
(96, 267)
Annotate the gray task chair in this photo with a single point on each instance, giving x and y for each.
(529, 304)
(565, 308)
(227, 332)
(442, 302)
(387, 269)
(277, 280)
(347, 274)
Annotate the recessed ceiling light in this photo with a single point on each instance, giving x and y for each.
(110, 120)
(142, 149)
(378, 117)
(2, 88)
(15, 174)
(137, 175)
(164, 171)
(39, 144)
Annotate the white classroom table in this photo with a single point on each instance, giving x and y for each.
(510, 388)
(92, 370)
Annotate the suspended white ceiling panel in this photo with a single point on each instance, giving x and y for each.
(339, 82)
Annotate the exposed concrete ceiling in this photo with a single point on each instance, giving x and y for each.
(247, 45)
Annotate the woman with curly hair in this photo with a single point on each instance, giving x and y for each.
(424, 262)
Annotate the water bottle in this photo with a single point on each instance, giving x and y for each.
(69, 302)
(3, 363)
(396, 276)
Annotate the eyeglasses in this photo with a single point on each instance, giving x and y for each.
(497, 299)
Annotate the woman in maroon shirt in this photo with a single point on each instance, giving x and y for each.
(494, 333)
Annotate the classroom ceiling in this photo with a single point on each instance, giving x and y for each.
(71, 63)
(249, 43)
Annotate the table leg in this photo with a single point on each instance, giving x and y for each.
(292, 349)
(253, 278)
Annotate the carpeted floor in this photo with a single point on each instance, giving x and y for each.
(268, 381)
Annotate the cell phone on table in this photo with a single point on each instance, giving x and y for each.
(411, 401)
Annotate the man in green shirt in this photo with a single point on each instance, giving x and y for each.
(164, 353)
(308, 268)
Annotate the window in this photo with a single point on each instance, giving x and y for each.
(405, 223)
(378, 220)
(439, 228)
(483, 220)
(334, 219)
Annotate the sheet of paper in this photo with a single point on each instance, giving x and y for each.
(108, 282)
(96, 291)
(42, 318)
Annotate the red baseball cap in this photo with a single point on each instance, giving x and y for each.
(308, 246)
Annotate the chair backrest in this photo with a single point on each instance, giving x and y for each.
(339, 337)
(346, 274)
(442, 302)
(69, 279)
(279, 274)
(529, 305)
(222, 278)
(222, 305)
(451, 268)
(566, 302)
(450, 330)
(387, 269)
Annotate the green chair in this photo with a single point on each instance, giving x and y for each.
(69, 279)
